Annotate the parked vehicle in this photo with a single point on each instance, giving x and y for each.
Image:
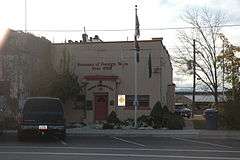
(186, 112)
(183, 110)
(41, 115)
(209, 111)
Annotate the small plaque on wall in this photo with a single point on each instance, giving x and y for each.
(121, 100)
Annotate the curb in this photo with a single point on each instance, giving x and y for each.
(136, 133)
(209, 134)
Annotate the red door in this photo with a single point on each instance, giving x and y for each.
(101, 107)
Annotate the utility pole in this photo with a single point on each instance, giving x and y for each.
(194, 76)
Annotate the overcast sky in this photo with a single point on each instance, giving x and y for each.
(112, 15)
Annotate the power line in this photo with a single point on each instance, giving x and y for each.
(127, 29)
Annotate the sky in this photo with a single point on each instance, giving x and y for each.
(65, 19)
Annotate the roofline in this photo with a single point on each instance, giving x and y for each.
(153, 40)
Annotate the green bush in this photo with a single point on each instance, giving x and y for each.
(199, 123)
(128, 122)
(175, 121)
(112, 121)
(108, 126)
(144, 121)
(165, 116)
(112, 118)
(157, 115)
(229, 116)
(162, 117)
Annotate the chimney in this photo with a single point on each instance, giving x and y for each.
(84, 37)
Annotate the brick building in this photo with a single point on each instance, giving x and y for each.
(106, 70)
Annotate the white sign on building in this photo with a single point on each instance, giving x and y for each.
(121, 100)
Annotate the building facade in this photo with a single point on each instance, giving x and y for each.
(105, 70)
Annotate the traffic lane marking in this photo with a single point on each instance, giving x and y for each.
(120, 155)
(201, 142)
(130, 142)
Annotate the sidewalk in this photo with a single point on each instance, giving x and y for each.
(87, 131)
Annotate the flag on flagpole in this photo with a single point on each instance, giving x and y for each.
(137, 34)
(149, 66)
(137, 29)
(137, 48)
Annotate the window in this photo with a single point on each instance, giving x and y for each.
(43, 105)
(143, 101)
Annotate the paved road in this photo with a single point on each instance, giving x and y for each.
(110, 147)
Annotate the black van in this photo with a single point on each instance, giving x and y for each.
(41, 115)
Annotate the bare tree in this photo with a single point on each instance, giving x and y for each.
(206, 26)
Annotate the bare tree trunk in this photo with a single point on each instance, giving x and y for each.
(216, 95)
(216, 78)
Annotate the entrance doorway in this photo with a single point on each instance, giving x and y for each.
(101, 107)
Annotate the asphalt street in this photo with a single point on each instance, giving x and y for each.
(119, 148)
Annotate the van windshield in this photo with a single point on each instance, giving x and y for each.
(42, 105)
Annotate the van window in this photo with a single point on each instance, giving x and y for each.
(42, 105)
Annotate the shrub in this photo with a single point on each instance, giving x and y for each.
(175, 121)
(165, 116)
(157, 115)
(128, 122)
(112, 121)
(229, 116)
(199, 123)
(112, 118)
(144, 121)
(108, 126)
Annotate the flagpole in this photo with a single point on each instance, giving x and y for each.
(135, 97)
(25, 16)
(135, 76)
